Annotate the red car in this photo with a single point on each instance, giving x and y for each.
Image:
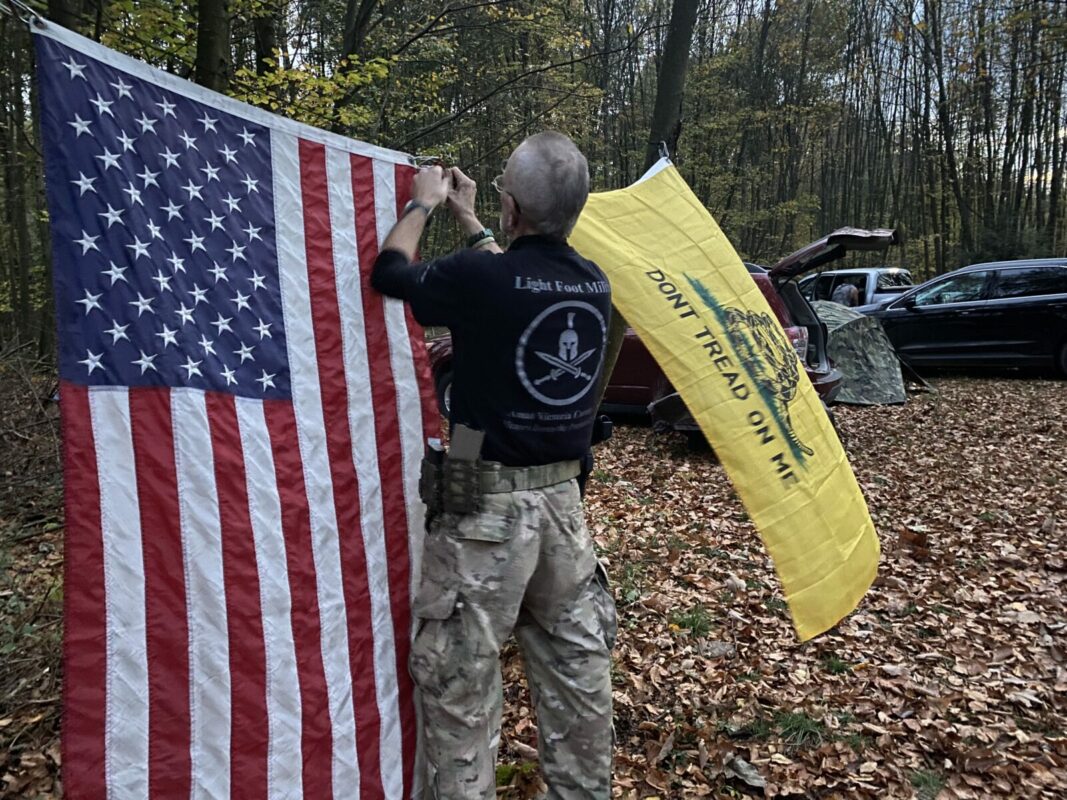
(638, 382)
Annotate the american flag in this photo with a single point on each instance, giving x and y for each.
(243, 421)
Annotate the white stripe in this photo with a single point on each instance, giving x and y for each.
(126, 704)
(307, 406)
(284, 761)
(173, 83)
(365, 459)
(209, 651)
(409, 413)
(408, 400)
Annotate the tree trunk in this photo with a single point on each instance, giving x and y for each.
(670, 85)
(213, 64)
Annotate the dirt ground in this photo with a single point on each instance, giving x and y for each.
(950, 679)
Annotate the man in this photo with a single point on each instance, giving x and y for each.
(529, 329)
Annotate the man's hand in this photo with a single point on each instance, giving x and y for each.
(431, 186)
(461, 201)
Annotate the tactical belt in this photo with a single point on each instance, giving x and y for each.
(496, 478)
(457, 486)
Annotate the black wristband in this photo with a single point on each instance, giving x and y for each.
(480, 236)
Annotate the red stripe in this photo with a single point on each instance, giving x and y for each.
(244, 616)
(316, 736)
(431, 416)
(84, 608)
(166, 616)
(390, 456)
(326, 319)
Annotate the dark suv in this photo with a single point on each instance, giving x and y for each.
(1005, 313)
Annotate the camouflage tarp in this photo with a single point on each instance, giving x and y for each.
(861, 350)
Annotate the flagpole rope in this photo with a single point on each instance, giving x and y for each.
(19, 9)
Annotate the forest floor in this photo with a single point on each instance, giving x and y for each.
(948, 681)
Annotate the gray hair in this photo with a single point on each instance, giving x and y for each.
(550, 177)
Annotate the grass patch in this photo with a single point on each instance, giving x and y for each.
(928, 783)
(835, 666)
(631, 582)
(799, 730)
(776, 604)
(697, 620)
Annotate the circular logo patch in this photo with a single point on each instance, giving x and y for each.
(559, 353)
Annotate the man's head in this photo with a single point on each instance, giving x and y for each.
(544, 187)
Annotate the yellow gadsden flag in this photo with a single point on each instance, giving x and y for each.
(680, 284)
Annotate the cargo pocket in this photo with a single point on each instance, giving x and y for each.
(496, 522)
(437, 636)
(605, 606)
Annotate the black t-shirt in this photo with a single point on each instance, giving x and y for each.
(529, 329)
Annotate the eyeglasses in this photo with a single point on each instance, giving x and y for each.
(496, 184)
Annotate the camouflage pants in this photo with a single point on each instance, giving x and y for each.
(524, 564)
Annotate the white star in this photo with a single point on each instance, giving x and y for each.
(214, 220)
(110, 159)
(176, 264)
(80, 126)
(267, 380)
(190, 141)
(103, 106)
(219, 273)
(87, 242)
(185, 315)
(76, 69)
(227, 373)
(246, 137)
(84, 183)
(139, 248)
(90, 301)
(126, 142)
(193, 190)
(163, 281)
(232, 203)
(207, 344)
(123, 89)
(172, 210)
(168, 336)
(134, 193)
(199, 296)
(263, 329)
(195, 243)
(208, 123)
(191, 367)
(115, 273)
(147, 123)
(117, 332)
(113, 215)
(149, 178)
(250, 184)
(92, 361)
(222, 324)
(237, 252)
(228, 154)
(245, 352)
(143, 304)
(154, 230)
(240, 300)
(169, 157)
(211, 172)
(253, 233)
(257, 280)
(145, 362)
(167, 108)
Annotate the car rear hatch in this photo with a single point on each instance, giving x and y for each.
(830, 248)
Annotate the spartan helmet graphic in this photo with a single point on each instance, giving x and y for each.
(568, 341)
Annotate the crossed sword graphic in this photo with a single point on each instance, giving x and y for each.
(560, 366)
